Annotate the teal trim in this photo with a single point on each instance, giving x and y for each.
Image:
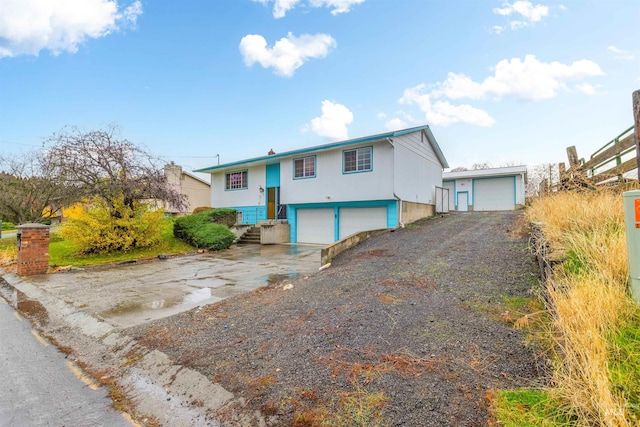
(252, 214)
(463, 192)
(273, 175)
(315, 167)
(473, 189)
(515, 190)
(378, 137)
(336, 224)
(370, 147)
(292, 213)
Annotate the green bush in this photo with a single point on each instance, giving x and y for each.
(6, 226)
(207, 229)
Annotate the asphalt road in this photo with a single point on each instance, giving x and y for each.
(40, 387)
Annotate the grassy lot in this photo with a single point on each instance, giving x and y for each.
(592, 333)
(63, 253)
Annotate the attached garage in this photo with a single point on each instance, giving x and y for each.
(316, 225)
(494, 194)
(354, 220)
(328, 223)
(495, 189)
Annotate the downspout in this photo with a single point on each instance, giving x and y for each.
(400, 223)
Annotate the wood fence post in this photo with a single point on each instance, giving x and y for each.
(636, 122)
(572, 154)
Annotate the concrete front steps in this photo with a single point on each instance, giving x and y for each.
(252, 236)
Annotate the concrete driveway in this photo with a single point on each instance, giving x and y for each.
(132, 294)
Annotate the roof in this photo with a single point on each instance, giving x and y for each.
(485, 173)
(189, 174)
(333, 145)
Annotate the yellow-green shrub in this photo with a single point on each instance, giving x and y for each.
(113, 226)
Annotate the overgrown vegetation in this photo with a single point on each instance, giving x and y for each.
(207, 229)
(112, 227)
(595, 325)
(6, 226)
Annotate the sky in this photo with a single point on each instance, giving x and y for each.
(498, 82)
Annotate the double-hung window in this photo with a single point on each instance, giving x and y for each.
(304, 167)
(357, 160)
(236, 180)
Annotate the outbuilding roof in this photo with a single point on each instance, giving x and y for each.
(333, 145)
(486, 173)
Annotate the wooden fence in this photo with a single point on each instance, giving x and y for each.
(613, 164)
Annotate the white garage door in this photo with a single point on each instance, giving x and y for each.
(354, 220)
(315, 225)
(494, 194)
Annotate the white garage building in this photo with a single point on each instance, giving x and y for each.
(496, 189)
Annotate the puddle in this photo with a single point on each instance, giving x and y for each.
(197, 296)
(274, 279)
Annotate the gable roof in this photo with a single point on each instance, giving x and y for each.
(485, 173)
(333, 145)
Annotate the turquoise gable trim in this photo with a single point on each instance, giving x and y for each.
(292, 217)
(273, 175)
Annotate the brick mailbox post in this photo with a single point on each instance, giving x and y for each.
(33, 249)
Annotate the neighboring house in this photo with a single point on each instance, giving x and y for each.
(331, 191)
(197, 190)
(496, 189)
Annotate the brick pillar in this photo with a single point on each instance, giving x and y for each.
(33, 249)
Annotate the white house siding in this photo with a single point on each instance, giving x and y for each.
(417, 170)
(332, 185)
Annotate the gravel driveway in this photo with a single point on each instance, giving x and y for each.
(410, 328)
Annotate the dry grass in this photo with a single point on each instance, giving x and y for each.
(589, 299)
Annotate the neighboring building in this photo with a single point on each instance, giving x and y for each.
(197, 190)
(496, 189)
(331, 191)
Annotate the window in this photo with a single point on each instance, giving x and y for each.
(236, 180)
(358, 160)
(305, 167)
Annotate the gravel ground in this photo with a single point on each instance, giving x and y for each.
(410, 328)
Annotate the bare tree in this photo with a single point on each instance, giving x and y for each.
(101, 163)
(29, 191)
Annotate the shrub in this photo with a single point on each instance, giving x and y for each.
(206, 229)
(6, 226)
(113, 228)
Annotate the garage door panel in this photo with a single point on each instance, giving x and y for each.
(495, 194)
(315, 225)
(354, 220)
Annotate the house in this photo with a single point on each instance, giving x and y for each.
(328, 192)
(495, 189)
(196, 190)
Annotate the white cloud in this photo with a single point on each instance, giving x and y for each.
(526, 9)
(442, 113)
(29, 26)
(339, 6)
(589, 89)
(621, 53)
(287, 54)
(333, 122)
(528, 79)
(396, 123)
(281, 7)
(524, 13)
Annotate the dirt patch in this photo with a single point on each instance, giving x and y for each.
(400, 331)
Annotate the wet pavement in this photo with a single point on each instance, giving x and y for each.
(131, 294)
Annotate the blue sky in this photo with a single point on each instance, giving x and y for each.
(503, 82)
